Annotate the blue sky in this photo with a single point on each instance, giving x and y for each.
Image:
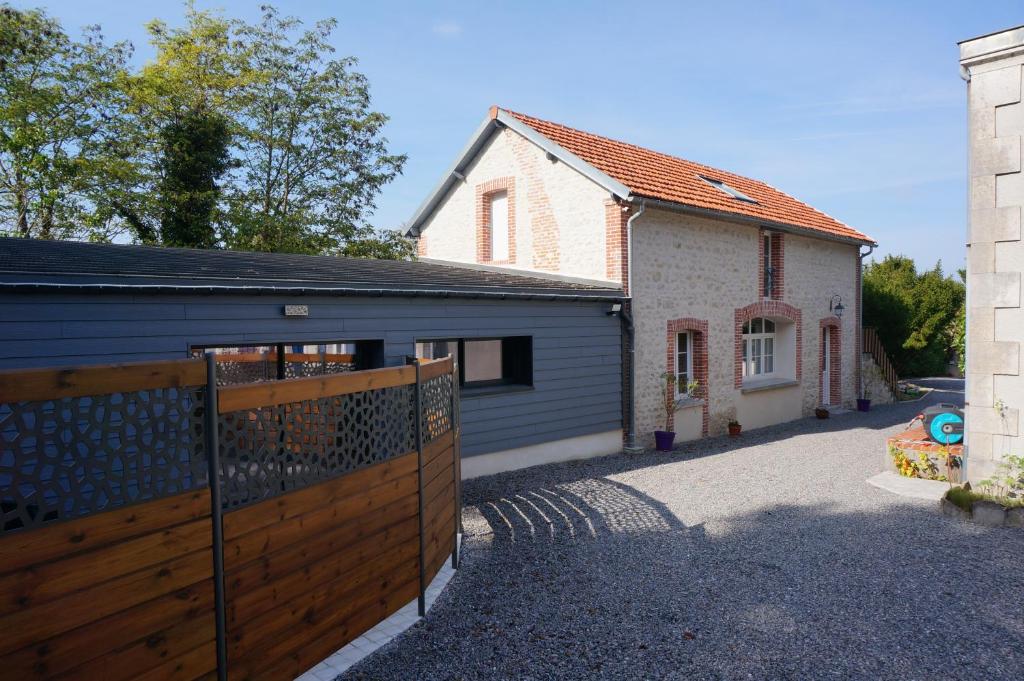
(856, 108)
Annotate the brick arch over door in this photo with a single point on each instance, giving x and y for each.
(766, 308)
(835, 349)
(699, 329)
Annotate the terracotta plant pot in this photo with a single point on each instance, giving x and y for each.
(863, 404)
(663, 440)
(734, 430)
(821, 413)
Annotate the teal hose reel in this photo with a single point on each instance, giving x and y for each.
(944, 423)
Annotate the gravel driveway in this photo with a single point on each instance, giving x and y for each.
(763, 557)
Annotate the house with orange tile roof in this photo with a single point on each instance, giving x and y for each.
(749, 298)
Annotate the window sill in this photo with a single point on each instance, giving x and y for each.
(485, 390)
(689, 402)
(757, 385)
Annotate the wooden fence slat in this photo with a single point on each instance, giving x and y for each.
(309, 641)
(149, 652)
(437, 464)
(378, 498)
(320, 646)
(54, 578)
(437, 446)
(253, 395)
(37, 385)
(251, 547)
(195, 663)
(29, 625)
(436, 367)
(320, 601)
(249, 518)
(21, 549)
(46, 658)
(243, 606)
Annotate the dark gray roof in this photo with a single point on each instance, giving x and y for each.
(29, 263)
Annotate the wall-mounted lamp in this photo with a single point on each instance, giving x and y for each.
(835, 305)
(615, 309)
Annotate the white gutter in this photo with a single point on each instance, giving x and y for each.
(631, 444)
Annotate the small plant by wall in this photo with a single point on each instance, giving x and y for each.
(944, 467)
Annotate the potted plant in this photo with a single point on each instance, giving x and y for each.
(691, 388)
(734, 428)
(864, 402)
(663, 439)
(821, 412)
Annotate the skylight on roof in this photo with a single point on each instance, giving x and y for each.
(731, 191)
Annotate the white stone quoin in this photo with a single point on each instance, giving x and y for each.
(993, 67)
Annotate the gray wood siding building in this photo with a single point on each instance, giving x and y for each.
(124, 314)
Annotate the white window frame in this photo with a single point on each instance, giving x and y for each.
(684, 361)
(501, 240)
(754, 365)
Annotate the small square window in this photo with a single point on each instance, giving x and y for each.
(485, 361)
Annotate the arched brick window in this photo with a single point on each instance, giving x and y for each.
(835, 360)
(687, 358)
(787, 346)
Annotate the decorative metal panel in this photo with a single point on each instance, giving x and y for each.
(70, 457)
(436, 399)
(252, 371)
(233, 373)
(271, 450)
(315, 368)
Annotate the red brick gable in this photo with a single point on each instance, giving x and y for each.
(651, 174)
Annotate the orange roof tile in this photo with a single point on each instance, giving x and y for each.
(651, 174)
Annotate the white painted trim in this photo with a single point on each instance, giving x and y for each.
(568, 449)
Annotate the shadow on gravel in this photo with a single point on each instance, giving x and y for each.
(617, 590)
(568, 574)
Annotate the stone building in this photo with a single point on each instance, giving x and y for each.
(732, 283)
(992, 65)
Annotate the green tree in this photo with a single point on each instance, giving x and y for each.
(195, 156)
(182, 122)
(57, 147)
(913, 312)
(313, 156)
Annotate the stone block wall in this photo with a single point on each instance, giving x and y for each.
(994, 66)
(698, 269)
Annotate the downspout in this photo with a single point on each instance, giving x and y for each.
(631, 444)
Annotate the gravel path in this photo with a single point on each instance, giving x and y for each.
(766, 557)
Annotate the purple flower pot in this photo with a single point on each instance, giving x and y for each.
(663, 440)
(863, 405)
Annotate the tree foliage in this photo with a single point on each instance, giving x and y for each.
(914, 313)
(58, 98)
(236, 135)
(313, 156)
(195, 156)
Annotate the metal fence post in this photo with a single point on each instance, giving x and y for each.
(456, 461)
(216, 517)
(422, 600)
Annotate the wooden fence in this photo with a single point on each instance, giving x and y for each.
(873, 346)
(335, 504)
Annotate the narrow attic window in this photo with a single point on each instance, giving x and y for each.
(731, 191)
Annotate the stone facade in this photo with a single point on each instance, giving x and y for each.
(690, 273)
(873, 381)
(994, 66)
(708, 270)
